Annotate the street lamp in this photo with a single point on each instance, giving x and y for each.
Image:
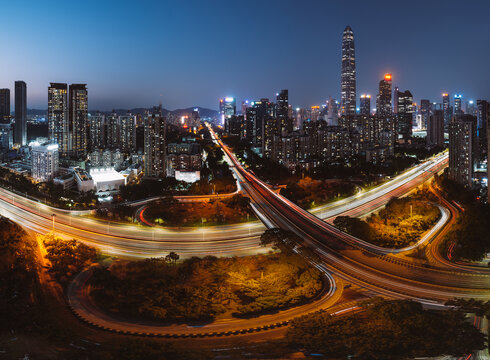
(53, 216)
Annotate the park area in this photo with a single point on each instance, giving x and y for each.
(402, 222)
(202, 289)
(170, 212)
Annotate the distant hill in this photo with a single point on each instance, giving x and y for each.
(204, 112)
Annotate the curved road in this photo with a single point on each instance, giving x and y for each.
(359, 262)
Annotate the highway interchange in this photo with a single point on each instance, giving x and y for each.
(351, 261)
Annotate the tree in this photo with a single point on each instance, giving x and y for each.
(172, 257)
(399, 329)
(279, 239)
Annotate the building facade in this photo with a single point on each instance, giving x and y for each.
(45, 160)
(155, 146)
(365, 105)
(462, 149)
(435, 129)
(78, 120)
(404, 114)
(20, 127)
(58, 116)
(5, 106)
(348, 73)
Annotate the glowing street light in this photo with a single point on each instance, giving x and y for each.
(53, 216)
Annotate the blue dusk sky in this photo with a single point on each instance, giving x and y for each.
(191, 53)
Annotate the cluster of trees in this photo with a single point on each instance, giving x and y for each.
(399, 329)
(421, 153)
(67, 257)
(470, 234)
(399, 224)
(18, 276)
(171, 212)
(308, 192)
(203, 288)
(153, 187)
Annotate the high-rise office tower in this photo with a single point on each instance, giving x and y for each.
(155, 145)
(58, 116)
(332, 112)
(5, 106)
(384, 109)
(227, 108)
(78, 119)
(20, 128)
(365, 107)
(395, 100)
(245, 105)
(128, 132)
(446, 107)
(425, 112)
(482, 113)
(383, 100)
(435, 129)
(462, 149)
(281, 112)
(257, 115)
(458, 110)
(348, 73)
(404, 101)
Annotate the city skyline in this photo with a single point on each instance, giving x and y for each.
(121, 68)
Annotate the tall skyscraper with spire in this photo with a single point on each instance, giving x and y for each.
(348, 74)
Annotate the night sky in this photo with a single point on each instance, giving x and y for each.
(190, 53)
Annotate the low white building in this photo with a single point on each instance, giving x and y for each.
(107, 179)
(187, 176)
(45, 159)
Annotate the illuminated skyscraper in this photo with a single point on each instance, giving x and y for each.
(482, 113)
(457, 104)
(44, 162)
(113, 136)
(281, 112)
(383, 100)
(78, 119)
(5, 106)
(127, 133)
(155, 145)
(384, 110)
(58, 116)
(425, 112)
(332, 112)
(227, 108)
(348, 73)
(20, 128)
(446, 107)
(257, 115)
(463, 149)
(97, 132)
(435, 129)
(365, 108)
(404, 101)
(471, 108)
